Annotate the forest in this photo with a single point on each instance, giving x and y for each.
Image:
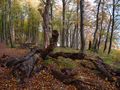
(60, 44)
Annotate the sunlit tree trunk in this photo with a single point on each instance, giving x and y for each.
(73, 38)
(46, 27)
(10, 23)
(67, 36)
(22, 28)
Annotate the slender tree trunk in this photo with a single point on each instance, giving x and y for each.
(73, 40)
(46, 23)
(51, 14)
(22, 28)
(70, 40)
(5, 23)
(77, 26)
(2, 27)
(112, 29)
(107, 36)
(63, 21)
(96, 30)
(101, 31)
(29, 24)
(10, 23)
(67, 37)
(82, 26)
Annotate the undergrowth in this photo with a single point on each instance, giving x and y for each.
(112, 59)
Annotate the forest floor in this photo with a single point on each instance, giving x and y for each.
(45, 81)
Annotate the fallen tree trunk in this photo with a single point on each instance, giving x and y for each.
(103, 68)
(68, 79)
(24, 66)
(97, 61)
(68, 55)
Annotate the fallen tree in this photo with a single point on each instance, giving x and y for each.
(66, 76)
(97, 61)
(23, 67)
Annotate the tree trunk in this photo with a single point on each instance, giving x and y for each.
(107, 36)
(10, 24)
(63, 21)
(51, 15)
(82, 26)
(4, 22)
(73, 39)
(112, 29)
(22, 28)
(95, 33)
(46, 27)
(77, 26)
(101, 31)
(2, 27)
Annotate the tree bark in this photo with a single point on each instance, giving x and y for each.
(101, 31)
(77, 26)
(112, 29)
(96, 30)
(46, 27)
(82, 26)
(10, 24)
(73, 39)
(63, 22)
(107, 36)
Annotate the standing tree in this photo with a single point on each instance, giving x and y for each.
(77, 25)
(46, 19)
(82, 26)
(10, 22)
(101, 25)
(107, 36)
(96, 30)
(63, 18)
(112, 29)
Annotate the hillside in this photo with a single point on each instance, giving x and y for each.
(61, 74)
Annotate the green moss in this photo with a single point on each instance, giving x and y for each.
(61, 62)
(48, 62)
(66, 50)
(66, 63)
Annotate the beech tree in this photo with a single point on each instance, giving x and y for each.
(112, 29)
(95, 37)
(82, 26)
(46, 20)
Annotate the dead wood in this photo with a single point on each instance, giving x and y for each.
(68, 55)
(103, 68)
(24, 66)
(70, 80)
